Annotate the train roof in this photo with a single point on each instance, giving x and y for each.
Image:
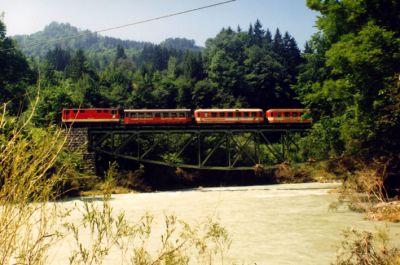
(230, 110)
(157, 110)
(91, 109)
(288, 109)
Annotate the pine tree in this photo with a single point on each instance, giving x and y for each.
(120, 53)
(58, 58)
(278, 45)
(250, 32)
(268, 37)
(258, 33)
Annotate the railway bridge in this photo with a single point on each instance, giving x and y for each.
(211, 147)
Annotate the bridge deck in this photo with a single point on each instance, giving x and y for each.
(198, 127)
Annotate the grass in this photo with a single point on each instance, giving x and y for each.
(32, 173)
(366, 248)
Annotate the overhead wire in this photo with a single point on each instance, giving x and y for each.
(121, 26)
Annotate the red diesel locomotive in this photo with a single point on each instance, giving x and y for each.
(183, 116)
(97, 115)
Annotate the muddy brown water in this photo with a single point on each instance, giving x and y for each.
(271, 224)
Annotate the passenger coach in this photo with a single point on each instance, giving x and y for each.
(157, 116)
(223, 116)
(286, 116)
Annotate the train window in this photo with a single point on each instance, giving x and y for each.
(294, 114)
(287, 114)
(279, 114)
(230, 114)
(173, 115)
(113, 111)
(75, 111)
(148, 115)
(99, 111)
(82, 111)
(254, 114)
(157, 115)
(105, 111)
(140, 115)
(67, 112)
(245, 114)
(213, 114)
(222, 114)
(181, 115)
(205, 114)
(165, 115)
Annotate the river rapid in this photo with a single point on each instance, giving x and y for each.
(271, 224)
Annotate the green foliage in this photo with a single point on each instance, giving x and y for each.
(15, 73)
(350, 74)
(252, 68)
(237, 69)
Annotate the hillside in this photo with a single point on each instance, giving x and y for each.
(39, 43)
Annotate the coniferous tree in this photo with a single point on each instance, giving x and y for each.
(258, 33)
(120, 53)
(268, 37)
(277, 45)
(250, 32)
(58, 58)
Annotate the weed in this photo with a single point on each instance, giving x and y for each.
(365, 248)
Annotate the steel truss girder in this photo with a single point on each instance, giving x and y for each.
(227, 140)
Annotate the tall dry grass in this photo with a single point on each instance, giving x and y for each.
(31, 225)
(27, 181)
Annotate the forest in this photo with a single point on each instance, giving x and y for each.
(347, 75)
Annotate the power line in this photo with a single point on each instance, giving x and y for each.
(124, 26)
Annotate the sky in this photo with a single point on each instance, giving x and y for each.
(30, 16)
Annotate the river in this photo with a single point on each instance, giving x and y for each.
(271, 224)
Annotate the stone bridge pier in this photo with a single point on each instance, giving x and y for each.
(78, 142)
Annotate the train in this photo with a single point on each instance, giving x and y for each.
(184, 116)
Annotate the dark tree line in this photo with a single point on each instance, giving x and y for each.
(252, 68)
